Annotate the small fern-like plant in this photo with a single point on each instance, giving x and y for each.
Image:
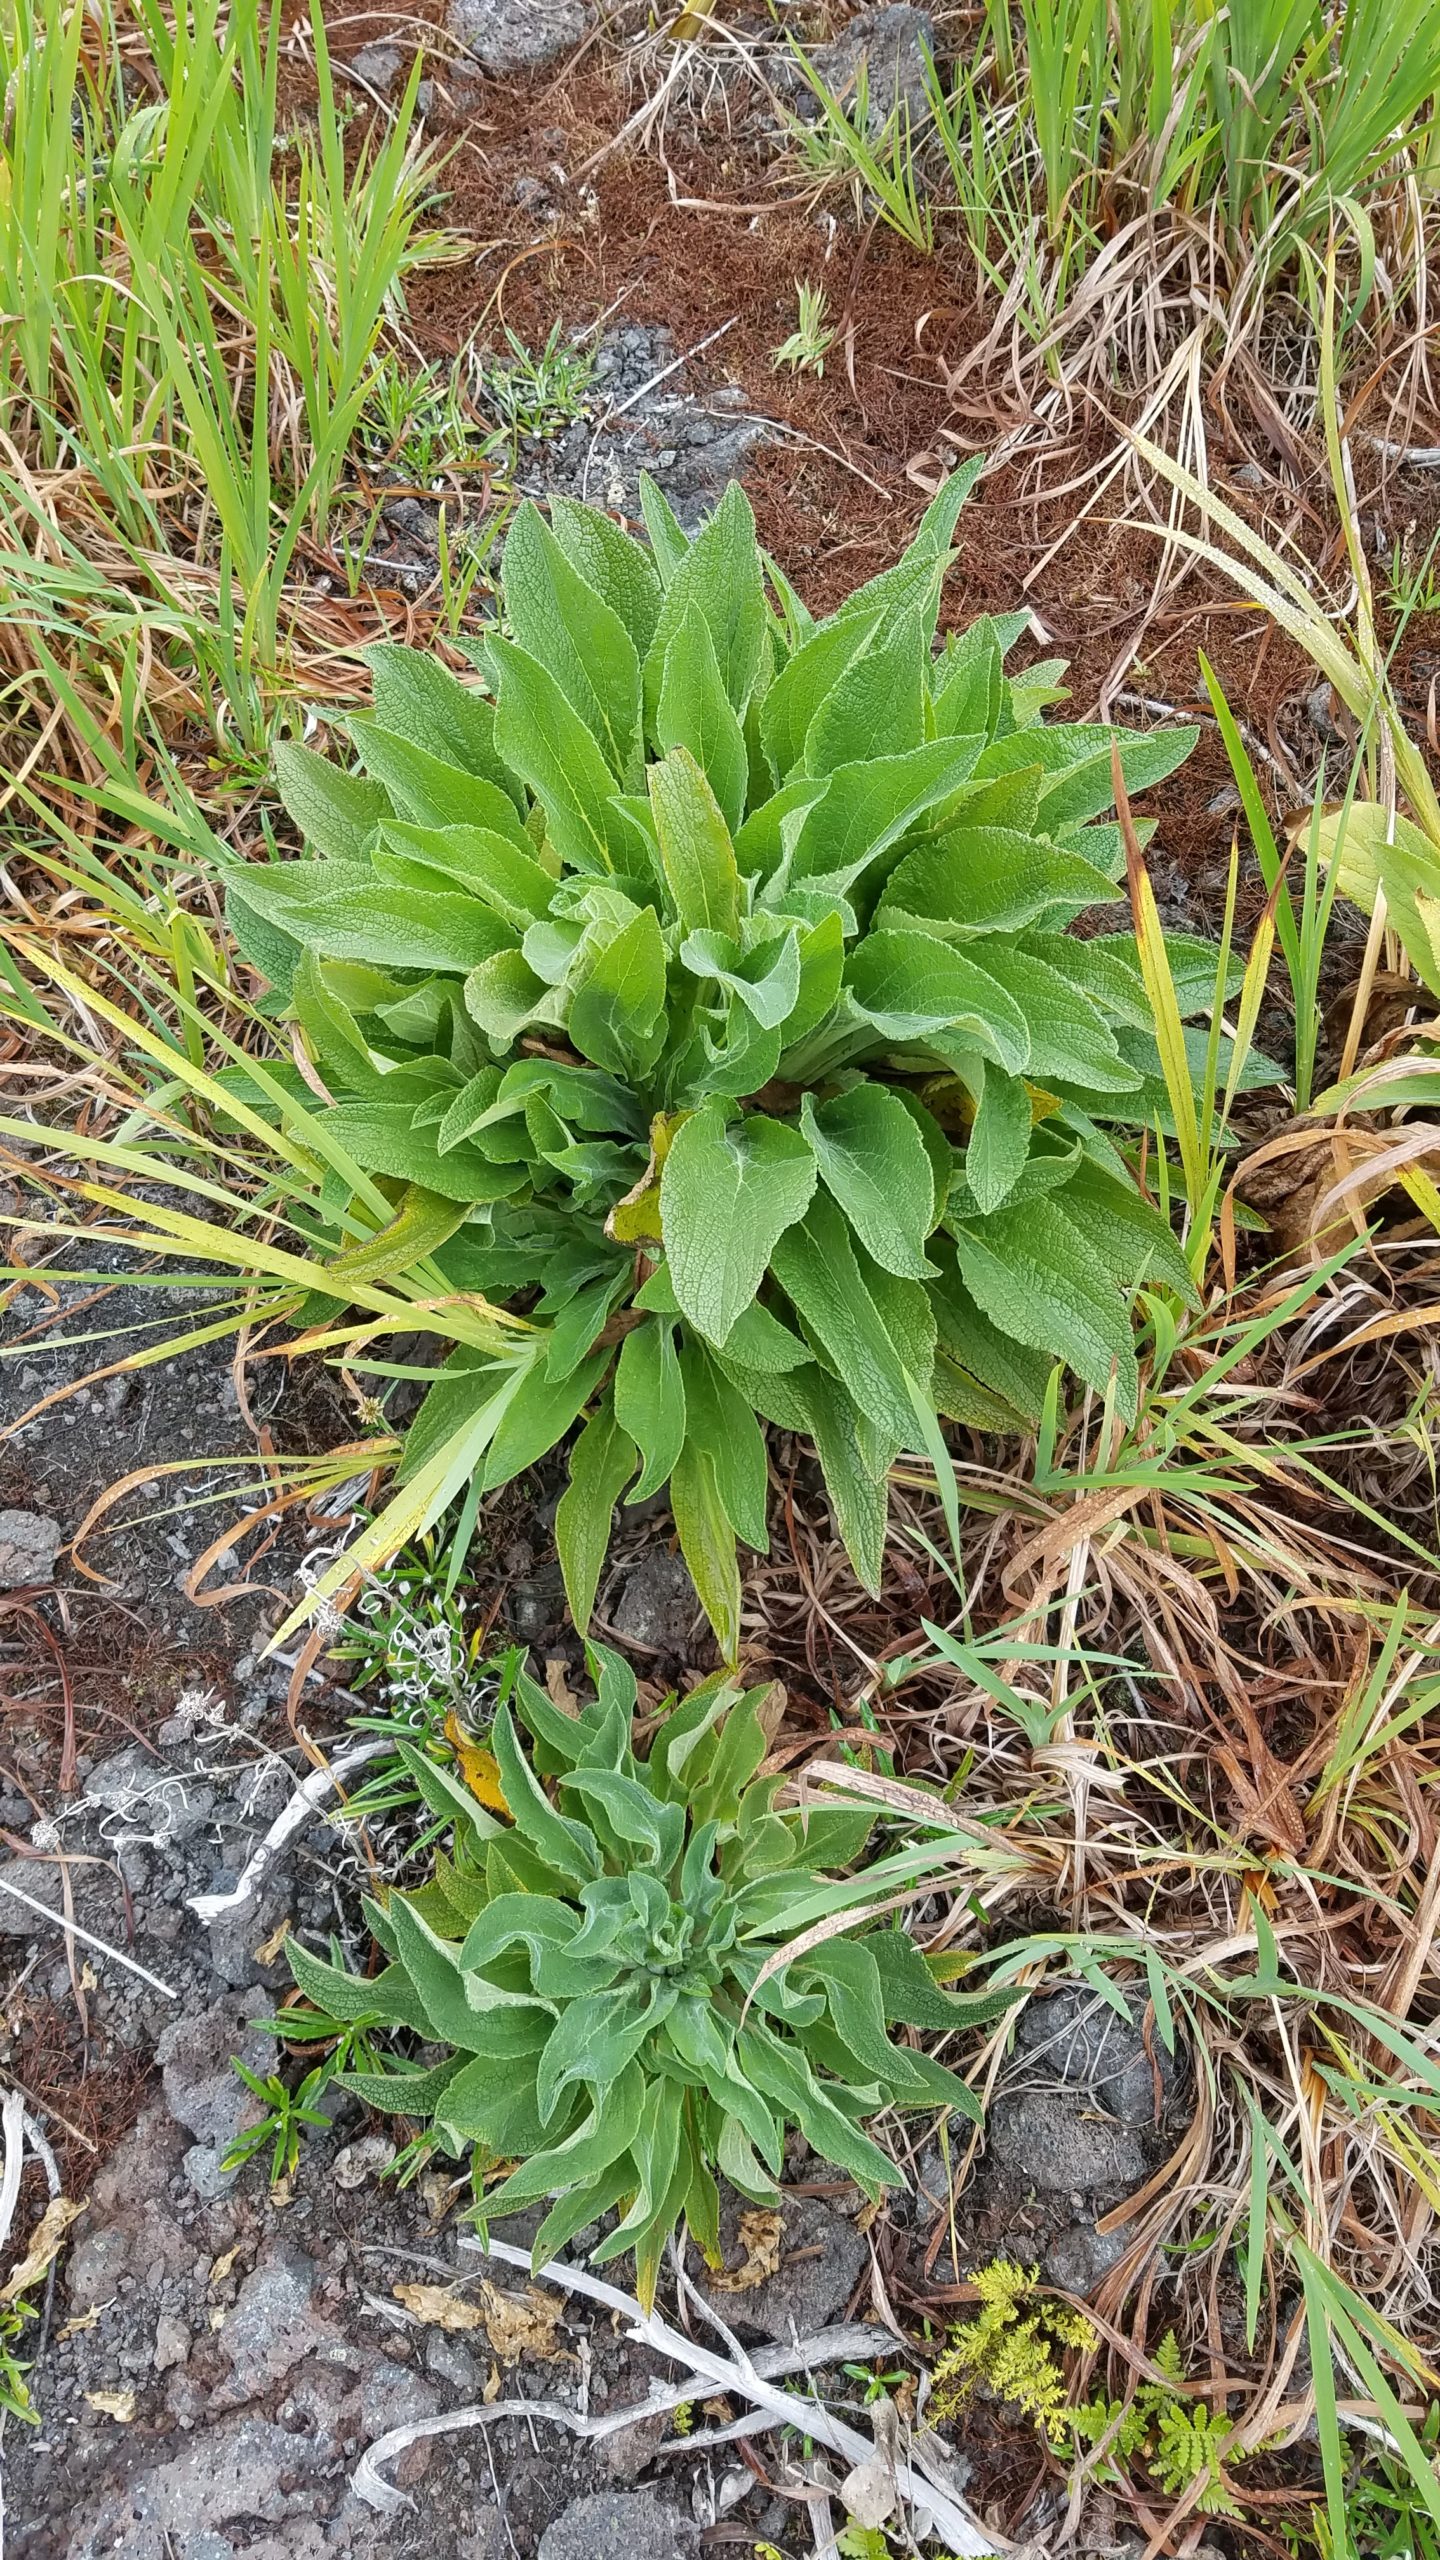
(1015, 2346)
(647, 1974)
(1180, 2440)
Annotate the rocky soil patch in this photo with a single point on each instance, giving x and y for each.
(220, 2353)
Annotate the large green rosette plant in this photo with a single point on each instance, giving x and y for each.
(695, 980)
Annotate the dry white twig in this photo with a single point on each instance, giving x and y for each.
(12, 2135)
(922, 2481)
(307, 1799)
(831, 2346)
(87, 1937)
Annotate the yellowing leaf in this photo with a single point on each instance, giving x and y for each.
(477, 1766)
(45, 2241)
(636, 1218)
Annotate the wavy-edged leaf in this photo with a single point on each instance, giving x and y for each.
(707, 1543)
(1030, 1271)
(696, 852)
(728, 1192)
(558, 617)
(910, 985)
(650, 1401)
(695, 712)
(873, 1161)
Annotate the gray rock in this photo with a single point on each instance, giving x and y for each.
(271, 2326)
(130, 2230)
(439, 103)
(243, 2469)
(1087, 2045)
(196, 2055)
(149, 1801)
(637, 2527)
(1079, 2259)
(392, 2396)
(362, 2161)
(657, 1606)
(634, 2448)
(378, 65)
(1089, 2099)
(1320, 707)
(891, 44)
(29, 1544)
(35, 1877)
(821, 2255)
(449, 2360)
(97, 2261)
(506, 36)
(172, 2343)
(204, 2174)
(931, 2182)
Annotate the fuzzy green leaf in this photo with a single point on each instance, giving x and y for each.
(728, 1191)
(872, 1160)
(602, 1463)
(695, 848)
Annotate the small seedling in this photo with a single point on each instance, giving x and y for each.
(537, 395)
(810, 341)
(350, 2043)
(15, 2400)
(877, 2385)
(1413, 586)
(286, 2112)
(423, 424)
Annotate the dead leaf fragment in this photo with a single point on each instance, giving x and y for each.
(82, 2321)
(760, 2239)
(119, 2405)
(557, 1686)
(871, 2493)
(273, 1944)
(524, 2324)
(439, 2192)
(439, 2306)
(222, 2266)
(45, 2242)
(516, 2324)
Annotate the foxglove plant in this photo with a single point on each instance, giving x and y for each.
(648, 1975)
(697, 984)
